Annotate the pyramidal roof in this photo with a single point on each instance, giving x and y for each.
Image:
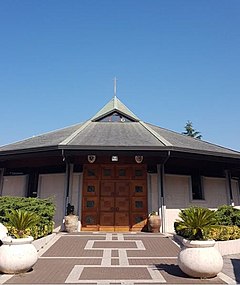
(128, 133)
(115, 105)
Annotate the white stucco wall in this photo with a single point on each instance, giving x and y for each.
(215, 192)
(53, 185)
(178, 195)
(14, 185)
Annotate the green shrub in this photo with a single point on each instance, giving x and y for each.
(202, 223)
(224, 233)
(228, 216)
(44, 208)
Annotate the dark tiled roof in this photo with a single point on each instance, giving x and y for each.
(134, 134)
(115, 134)
(44, 140)
(185, 142)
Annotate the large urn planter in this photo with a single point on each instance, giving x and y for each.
(199, 258)
(71, 223)
(17, 255)
(154, 223)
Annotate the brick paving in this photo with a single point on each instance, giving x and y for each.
(109, 258)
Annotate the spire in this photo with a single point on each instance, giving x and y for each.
(115, 87)
(115, 105)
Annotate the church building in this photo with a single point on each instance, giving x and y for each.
(115, 169)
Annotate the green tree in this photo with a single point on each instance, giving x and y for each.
(190, 131)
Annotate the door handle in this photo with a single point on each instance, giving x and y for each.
(117, 209)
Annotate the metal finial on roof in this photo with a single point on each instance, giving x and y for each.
(115, 87)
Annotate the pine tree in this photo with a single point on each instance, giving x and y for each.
(190, 131)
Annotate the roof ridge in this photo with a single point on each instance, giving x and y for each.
(73, 135)
(114, 105)
(198, 140)
(159, 137)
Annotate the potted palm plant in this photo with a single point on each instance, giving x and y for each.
(198, 257)
(17, 253)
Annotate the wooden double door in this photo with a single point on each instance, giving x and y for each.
(114, 198)
(114, 205)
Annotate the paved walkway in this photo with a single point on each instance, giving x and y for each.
(112, 258)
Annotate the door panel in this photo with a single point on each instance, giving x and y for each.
(107, 204)
(122, 188)
(139, 188)
(139, 204)
(90, 204)
(138, 220)
(123, 172)
(122, 219)
(107, 189)
(122, 204)
(91, 172)
(91, 188)
(89, 220)
(107, 219)
(108, 172)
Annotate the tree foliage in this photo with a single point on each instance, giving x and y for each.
(191, 132)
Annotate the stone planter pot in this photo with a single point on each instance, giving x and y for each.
(17, 255)
(200, 259)
(154, 223)
(71, 223)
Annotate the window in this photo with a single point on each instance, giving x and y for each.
(197, 189)
(90, 189)
(115, 117)
(138, 189)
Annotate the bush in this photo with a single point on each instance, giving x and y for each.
(224, 233)
(223, 224)
(228, 216)
(44, 208)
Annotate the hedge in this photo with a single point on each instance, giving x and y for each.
(224, 233)
(44, 208)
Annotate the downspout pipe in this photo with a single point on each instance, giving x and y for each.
(228, 176)
(67, 181)
(1, 180)
(161, 172)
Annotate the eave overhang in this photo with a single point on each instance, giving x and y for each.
(200, 154)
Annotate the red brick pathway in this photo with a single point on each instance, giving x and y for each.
(111, 258)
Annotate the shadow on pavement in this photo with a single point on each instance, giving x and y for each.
(236, 267)
(172, 269)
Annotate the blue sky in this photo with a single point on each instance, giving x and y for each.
(174, 60)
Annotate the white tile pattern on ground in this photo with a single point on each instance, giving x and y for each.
(155, 276)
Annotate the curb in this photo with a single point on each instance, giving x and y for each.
(40, 243)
